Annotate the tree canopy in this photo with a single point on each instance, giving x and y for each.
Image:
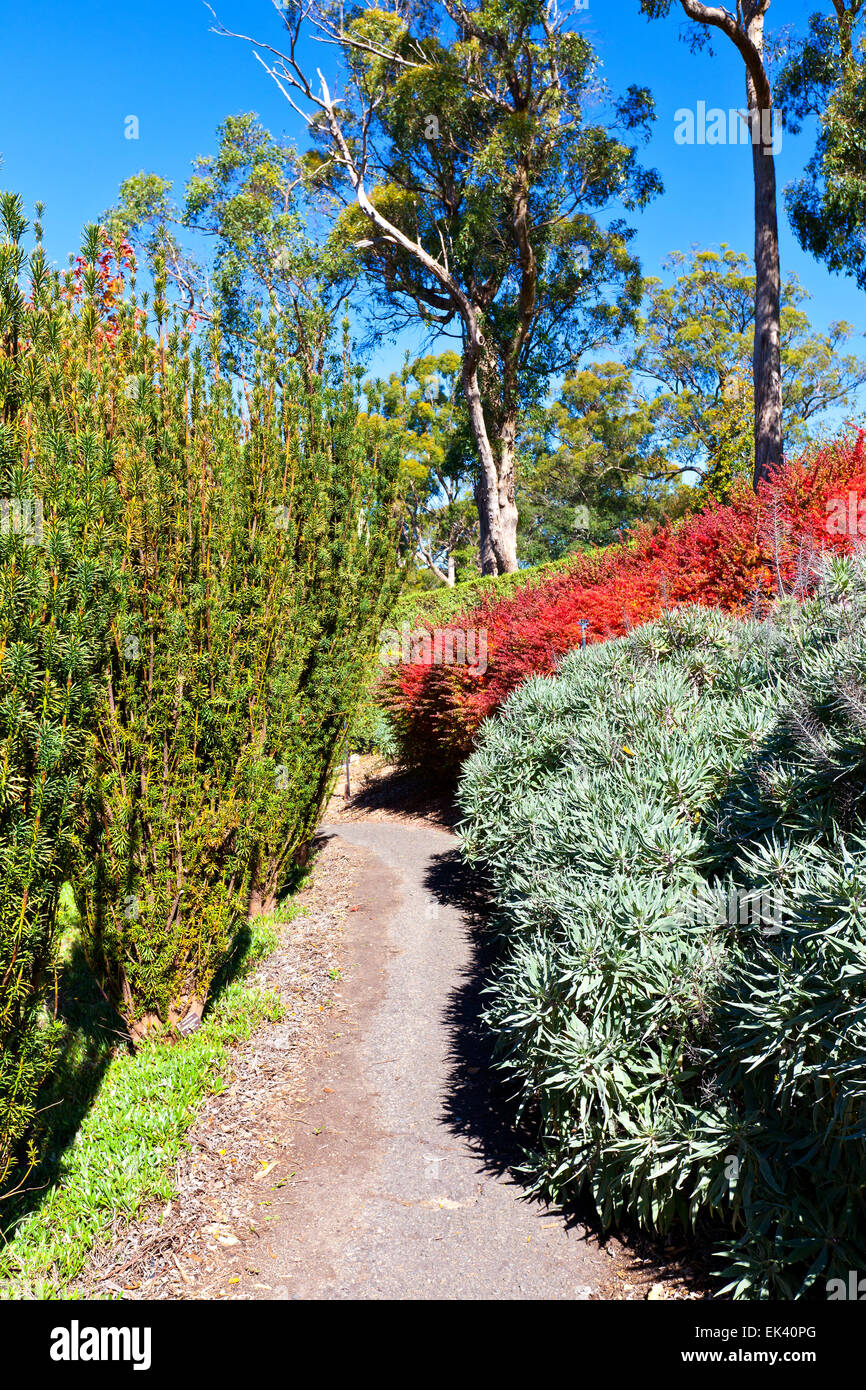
(477, 155)
(825, 77)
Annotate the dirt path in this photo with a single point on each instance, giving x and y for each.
(407, 1190)
(364, 1148)
(423, 1208)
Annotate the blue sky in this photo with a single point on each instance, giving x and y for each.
(74, 73)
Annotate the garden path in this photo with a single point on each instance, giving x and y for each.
(405, 1191)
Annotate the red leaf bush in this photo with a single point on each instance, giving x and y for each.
(737, 557)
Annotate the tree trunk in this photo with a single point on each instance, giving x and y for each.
(745, 29)
(486, 553)
(262, 901)
(767, 363)
(505, 495)
(494, 490)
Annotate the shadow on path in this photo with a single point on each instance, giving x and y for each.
(478, 1105)
(405, 793)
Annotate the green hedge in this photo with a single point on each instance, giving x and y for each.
(437, 606)
(258, 546)
(192, 581)
(57, 595)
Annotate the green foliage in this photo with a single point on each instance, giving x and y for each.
(592, 463)
(618, 437)
(114, 1123)
(241, 544)
(239, 244)
(681, 1064)
(56, 601)
(792, 1013)
(437, 607)
(371, 730)
(825, 76)
(695, 349)
(477, 157)
(347, 524)
(421, 407)
(479, 121)
(259, 544)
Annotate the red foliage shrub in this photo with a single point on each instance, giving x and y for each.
(736, 556)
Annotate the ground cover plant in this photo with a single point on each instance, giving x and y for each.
(671, 830)
(113, 1122)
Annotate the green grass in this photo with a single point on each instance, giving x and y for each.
(114, 1122)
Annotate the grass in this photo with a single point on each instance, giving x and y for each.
(114, 1122)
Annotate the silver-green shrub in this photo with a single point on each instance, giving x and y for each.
(670, 826)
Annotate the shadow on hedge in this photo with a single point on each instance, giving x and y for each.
(92, 1033)
(478, 1105)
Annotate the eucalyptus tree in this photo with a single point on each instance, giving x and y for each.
(693, 355)
(592, 462)
(825, 77)
(238, 245)
(745, 30)
(421, 409)
(468, 144)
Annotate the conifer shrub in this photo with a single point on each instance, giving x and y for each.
(258, 547)
(739, 557)
(672, 830)
(249, 534)
(341, 525)
(57, 595)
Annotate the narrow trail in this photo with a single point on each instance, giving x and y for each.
(406, 1192)
(362, 1146)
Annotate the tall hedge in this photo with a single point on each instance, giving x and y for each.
(187, 610)
(258, 554)
(57, 593)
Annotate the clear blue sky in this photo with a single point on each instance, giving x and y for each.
(73, 73)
